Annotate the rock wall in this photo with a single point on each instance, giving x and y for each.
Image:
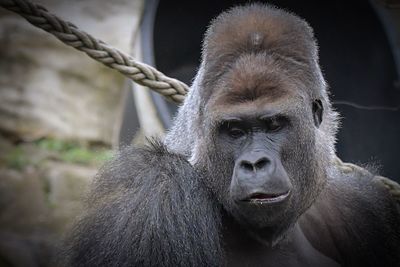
(49, 89)
(54, 99)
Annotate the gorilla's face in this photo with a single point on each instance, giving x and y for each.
(259, 189)
(259, 150)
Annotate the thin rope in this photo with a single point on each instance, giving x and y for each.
(69, 34)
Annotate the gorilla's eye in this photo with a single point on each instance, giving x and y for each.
(233, 129)
(236, 133)
(275, 124)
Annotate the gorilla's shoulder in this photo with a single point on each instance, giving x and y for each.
(355, 194)
(355, 213)
(364, 187)
(147, 207)
(154, 154)
(139, 168)
(359, 194)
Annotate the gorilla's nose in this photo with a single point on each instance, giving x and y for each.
(254, 163)
(259, 177)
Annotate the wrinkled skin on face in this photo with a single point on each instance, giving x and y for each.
(267, 171)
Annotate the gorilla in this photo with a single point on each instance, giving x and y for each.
(248, 174)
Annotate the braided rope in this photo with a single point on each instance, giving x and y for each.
(69, 34)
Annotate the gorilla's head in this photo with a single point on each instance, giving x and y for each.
(263, 129)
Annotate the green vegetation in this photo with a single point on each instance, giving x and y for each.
(67, 151)
(85, 156)
(74, 152)
(16, 159)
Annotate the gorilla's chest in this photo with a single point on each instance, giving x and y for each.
(296, 251)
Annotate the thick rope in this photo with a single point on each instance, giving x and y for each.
(140, 73)
(69, 34)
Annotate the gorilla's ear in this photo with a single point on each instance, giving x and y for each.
(317, 110)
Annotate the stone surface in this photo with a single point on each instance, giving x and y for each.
(49, 89)
(39, 199)
(66, 187)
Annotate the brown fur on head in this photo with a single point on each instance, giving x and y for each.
(262, 51)
(255, 29)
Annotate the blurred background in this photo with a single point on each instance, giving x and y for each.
(63, 114)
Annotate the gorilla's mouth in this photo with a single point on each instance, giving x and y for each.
(260, 198)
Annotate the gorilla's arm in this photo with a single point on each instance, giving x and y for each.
(147, 208)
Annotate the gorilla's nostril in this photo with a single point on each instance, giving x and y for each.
(247, 166)
(254, 166)
(261, 163)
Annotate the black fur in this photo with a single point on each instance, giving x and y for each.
(148, 207)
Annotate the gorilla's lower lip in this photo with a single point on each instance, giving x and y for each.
(261, 198)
